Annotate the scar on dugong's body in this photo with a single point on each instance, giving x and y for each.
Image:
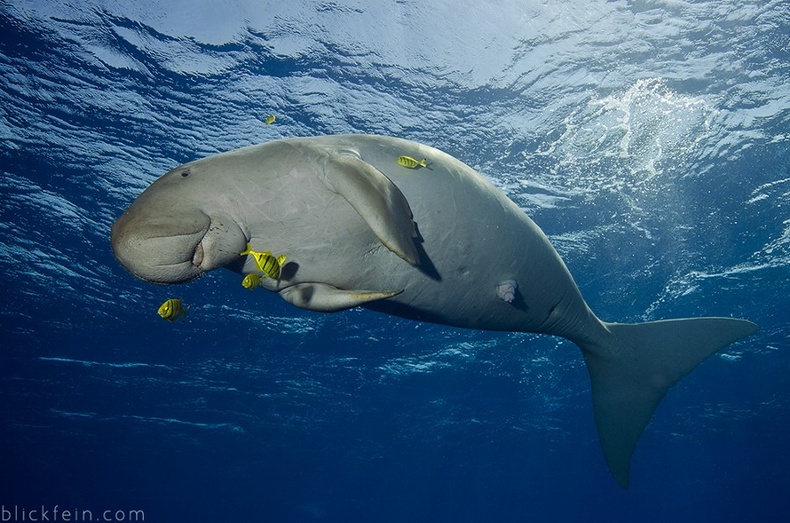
(439, 245)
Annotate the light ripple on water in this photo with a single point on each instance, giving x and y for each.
(149, 419)
(87, 363)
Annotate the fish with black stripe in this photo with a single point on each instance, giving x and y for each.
(173, 309)
(269, 264)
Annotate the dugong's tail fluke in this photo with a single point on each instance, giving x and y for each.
(633, 369)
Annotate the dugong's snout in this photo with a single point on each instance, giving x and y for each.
(175, 248)
(160, 249)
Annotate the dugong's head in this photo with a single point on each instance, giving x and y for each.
(179, 228)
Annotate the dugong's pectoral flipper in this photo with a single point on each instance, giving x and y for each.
(377, 200)
(632, 370)
(323, 297)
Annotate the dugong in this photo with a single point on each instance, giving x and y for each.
(437, 243)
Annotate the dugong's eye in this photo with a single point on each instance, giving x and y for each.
(185, 173)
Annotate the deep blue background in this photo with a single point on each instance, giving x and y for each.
(648, 140)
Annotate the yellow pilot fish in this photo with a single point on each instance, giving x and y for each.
(270, 119)
(251, 281)
(173, 309)
(411, 163)
(267, 263)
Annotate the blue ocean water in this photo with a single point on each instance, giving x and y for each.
(649, 139)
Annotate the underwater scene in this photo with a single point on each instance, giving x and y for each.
(391, 333)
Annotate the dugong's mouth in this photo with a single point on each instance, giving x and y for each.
(187, 267)
(220, 245)
(197, 256)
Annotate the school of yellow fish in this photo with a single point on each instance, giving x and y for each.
(269, 264)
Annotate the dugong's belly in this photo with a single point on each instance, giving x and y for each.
(471, 238)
